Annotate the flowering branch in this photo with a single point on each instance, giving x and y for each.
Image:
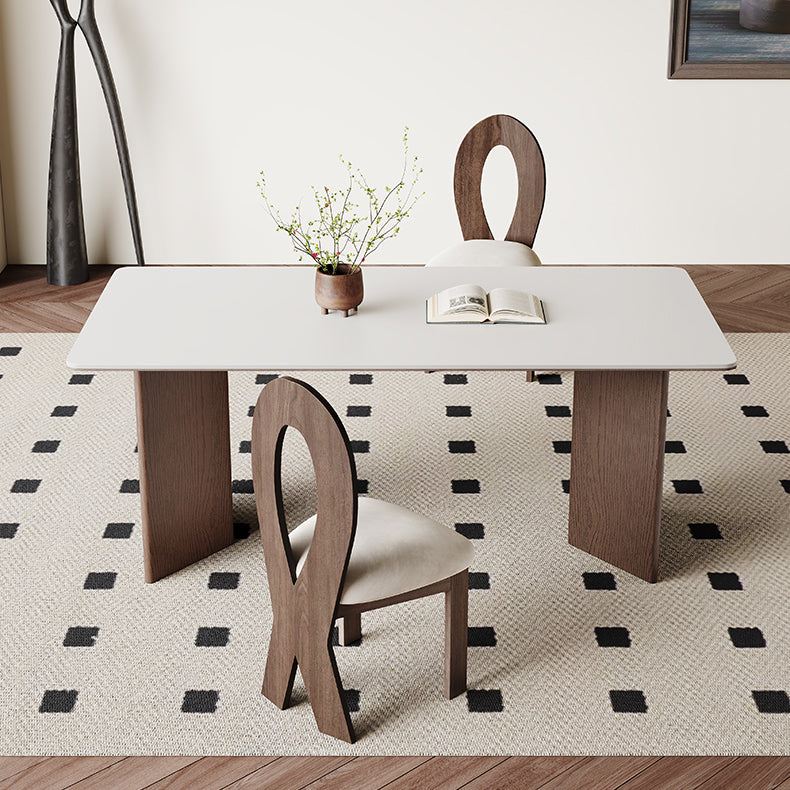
(339, 232)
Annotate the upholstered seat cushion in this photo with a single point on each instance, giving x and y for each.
(395, 551)
(486, 252)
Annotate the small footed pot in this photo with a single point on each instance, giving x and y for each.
(339, 291)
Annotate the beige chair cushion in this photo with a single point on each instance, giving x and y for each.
(485, 252)
(395, 551)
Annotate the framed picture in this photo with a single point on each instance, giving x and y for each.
(730, 39)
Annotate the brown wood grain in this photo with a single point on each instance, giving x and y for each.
(132, 773)
(530, 170)
(288, 773)
(617, 464)
(209, 773)
(446, 773)
(14, 765)
(57, 772)
(598, 773)
(456, 607)
(677, 773)
(754, 773)
(367, 773)
(183, 436)
(523, 773)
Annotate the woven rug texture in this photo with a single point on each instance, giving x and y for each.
(567, 655)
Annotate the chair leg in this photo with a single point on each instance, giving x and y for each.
(349, 629)
(326, 695)
(456, 602)
(278, 677)
(529, 375)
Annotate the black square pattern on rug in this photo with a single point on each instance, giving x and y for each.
(479, 581)
(735, 378)
(465, 486)
(359, 446)
(58, 701)
(674, 447)
(363, 486)
(747, 637)
(562, 448)
(484, 701)
(360, 378)
(245, 446)
(25, 486)
(265, 378)
(242, 487)
(470, 530)
(46, 446)
(352, 699)
(129, 486)
(771, 701)
(725, 581)
(549, 378)
(461, 447)
(10, 351)
(612, 637)
(81, 636)
(455, 378)
(566, 486)
(705, 531)
(212, 636)
(104, 580)
(251, 411)
(64, 411)
(628, 701)
(775, 447)
(241, 530)
(459, 411)
(336, 639)
(119, 530)
(599, 581)
(358, 411)
(81, 378)
(687, 486)
(481, 637)
(199, 701)
(223, 581)
(8, 530)
(558, 411)
(786, 485)
(754, 411)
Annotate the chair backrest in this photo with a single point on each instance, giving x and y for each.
(530, 168)
(288, 402)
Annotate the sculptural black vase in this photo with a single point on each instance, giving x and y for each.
(67, 259)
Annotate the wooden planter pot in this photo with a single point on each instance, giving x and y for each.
(339, 291)
(766, 16)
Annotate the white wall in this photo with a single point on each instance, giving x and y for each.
(639, 168)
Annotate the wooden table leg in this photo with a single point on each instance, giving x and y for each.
(617, 466)
(183, 444)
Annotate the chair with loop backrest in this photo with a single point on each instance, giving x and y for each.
(354, 555)
(480, 248)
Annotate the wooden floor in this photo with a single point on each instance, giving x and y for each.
(742, 299)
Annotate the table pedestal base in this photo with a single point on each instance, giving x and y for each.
(183, 444)
(617, 465)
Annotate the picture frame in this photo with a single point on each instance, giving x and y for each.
(707, 41)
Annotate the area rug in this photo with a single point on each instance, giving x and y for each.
(567, 655)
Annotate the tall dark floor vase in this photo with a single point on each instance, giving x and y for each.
(67, 258)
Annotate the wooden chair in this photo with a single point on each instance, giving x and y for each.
(479, 247)
(354, 555)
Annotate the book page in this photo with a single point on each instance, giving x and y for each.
(507, 300)
(462, 299)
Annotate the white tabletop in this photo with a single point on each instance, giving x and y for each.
(265, 318)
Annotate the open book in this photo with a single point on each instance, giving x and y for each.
(470, 304)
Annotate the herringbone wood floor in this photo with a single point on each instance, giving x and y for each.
(742, 298)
